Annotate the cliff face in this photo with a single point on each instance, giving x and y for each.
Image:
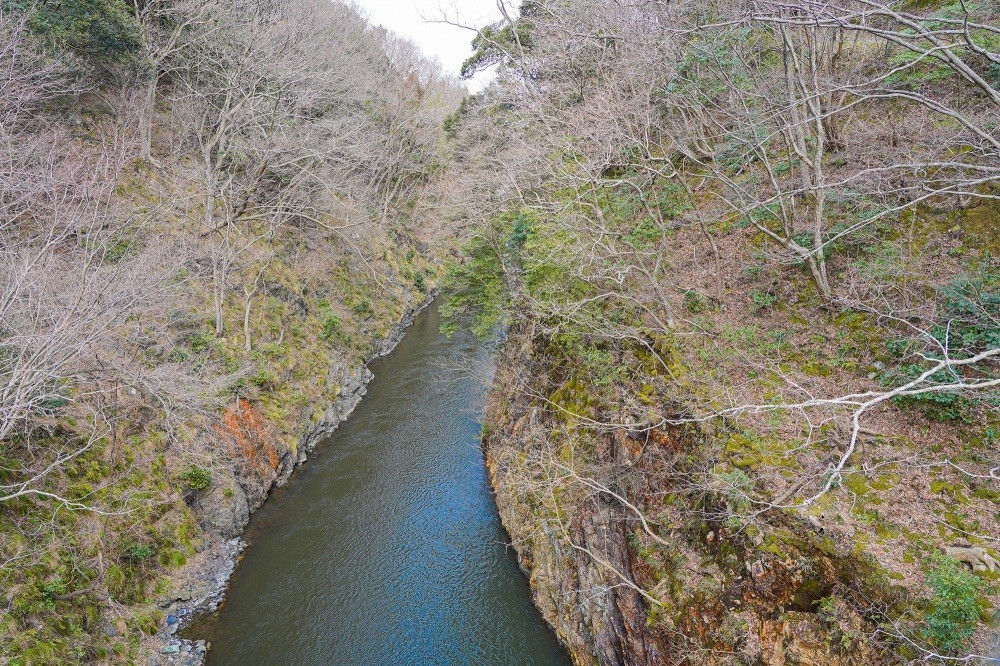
(690, 590)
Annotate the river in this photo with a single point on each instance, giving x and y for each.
(386, 547)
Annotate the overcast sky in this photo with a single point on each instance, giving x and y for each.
(447, 43)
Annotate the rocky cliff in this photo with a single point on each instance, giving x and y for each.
(633, 564)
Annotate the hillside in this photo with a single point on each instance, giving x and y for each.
(209, 219)
(746, 258)
(741, 259)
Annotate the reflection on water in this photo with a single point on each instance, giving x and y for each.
(386, 547)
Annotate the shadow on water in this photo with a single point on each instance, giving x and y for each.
(386, 547)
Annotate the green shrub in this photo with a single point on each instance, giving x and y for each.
(197, 478)
(177, 355)
(200, 342)
(694, 302)
(133, 550)
(969, 307)
(363, 308)
(264, 378)
(644, 234)
(520, 230)
(50, 590)
(737, 486)
(954, 610)
(762, 300)
(965, 324)
(98, 29)
(939, 405)
(475, 293)
(331, 327)
(601, 366)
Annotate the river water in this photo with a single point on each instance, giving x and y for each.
(386, 548)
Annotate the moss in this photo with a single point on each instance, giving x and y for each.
(979, 226)
(856, 484)
(816, 369)
(749, 450)
(809, 593)
(173, 558)
(885, 482)
(987, 493)
(941, 487)
(885, 531)
(774, 546)
(146, 621)
(959, 521)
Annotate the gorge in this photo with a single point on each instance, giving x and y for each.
(705, 343)
(386, 546)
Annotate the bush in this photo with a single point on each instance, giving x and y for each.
(139, 551)
(331, 327)
(954, 610)
(363, 308)
(200, 342)
(177, 355)
(97, 29)
(736, 487)
(197, 478)
(264, 378)
(762, 300)
(969, 307)
(475, 294)
(50, 590)
(694, 302)
(938, 405)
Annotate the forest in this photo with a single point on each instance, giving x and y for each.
(745, 255)
(740, 261)
(209, 218)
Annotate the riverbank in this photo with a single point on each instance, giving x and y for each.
(198, 263)
(200, 587)
(643, 548)
(387, 547)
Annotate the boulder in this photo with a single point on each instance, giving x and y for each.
(221, 512)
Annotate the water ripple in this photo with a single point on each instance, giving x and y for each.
(386, 548)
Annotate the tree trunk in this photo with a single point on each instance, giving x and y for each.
(246, 318)
(219, 294)
(146, 119)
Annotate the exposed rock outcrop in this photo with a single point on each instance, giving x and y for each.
(223, 511)
(709, 593)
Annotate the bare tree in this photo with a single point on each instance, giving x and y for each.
(77, 272)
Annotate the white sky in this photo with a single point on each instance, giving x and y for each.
(449, 44)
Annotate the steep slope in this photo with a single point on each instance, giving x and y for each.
(746, 257)
(210, 214)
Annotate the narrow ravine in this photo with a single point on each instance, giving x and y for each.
(386, 547)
